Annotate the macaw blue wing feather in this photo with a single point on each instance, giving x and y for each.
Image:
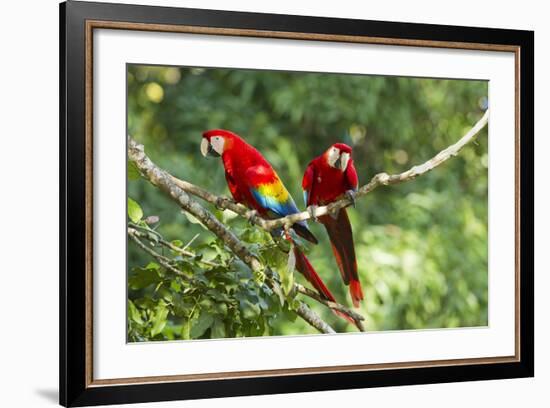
(273, 202)
(275, 198)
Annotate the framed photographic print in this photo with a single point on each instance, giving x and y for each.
(255, 203)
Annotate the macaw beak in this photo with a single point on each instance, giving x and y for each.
(206, 148)
(338, 163)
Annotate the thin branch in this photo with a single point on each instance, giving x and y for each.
(384, 179)
(190, 242)
(313, 319)
(165, 262)
(165, 183)
(223, 203)
(381, 179)
(357, 318)
(146, 235)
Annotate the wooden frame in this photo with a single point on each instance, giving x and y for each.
(77, 22)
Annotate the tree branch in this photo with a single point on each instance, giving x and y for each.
(147, 235)
(314, 212)
(357, 318)
(313, 319)
(165, 183)
(165, 262)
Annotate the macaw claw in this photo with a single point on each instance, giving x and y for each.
(252, 215)
(312, 209)
(350, 195)
(221, 203)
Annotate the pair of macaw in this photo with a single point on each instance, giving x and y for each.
(254, 183)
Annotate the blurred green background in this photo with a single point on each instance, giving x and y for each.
(421, 245)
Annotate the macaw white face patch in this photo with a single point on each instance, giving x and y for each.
(332, 157)
(217, 143)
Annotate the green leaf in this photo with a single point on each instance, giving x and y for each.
(175, 286)
(203, 323)
(218, 329)
(186, 330)
(159, 320)
(221, 308)
(279, 292)
(153, 266)
(287, 273)
(289, 314)
(134, 313)
(133, 172)
(192, 219)
(134, 211)
(249, 310)
(143, 277)
(177, 243)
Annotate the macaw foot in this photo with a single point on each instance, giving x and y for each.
(221, 203)
(279, 238)
(277, 233)
(252, 216)
(312, 209)
(350, 195)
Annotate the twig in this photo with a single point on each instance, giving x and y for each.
(161, 259)
(167, 244)
(357, 318)
(223, 203)
(313, 319)
(190, 242)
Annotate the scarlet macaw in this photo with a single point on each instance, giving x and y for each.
(253, 182)
(327, 178)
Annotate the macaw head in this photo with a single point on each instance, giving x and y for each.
(338, 155)
(217, 141)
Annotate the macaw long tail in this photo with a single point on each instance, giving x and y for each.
(305, 268)
(341, 240)
(356, 292)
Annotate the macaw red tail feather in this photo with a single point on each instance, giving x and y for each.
(341, 240)
(356, 292)
(305, 268)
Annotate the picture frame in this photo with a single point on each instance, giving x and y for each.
(78, 23)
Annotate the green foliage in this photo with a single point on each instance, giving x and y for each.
(132, 171)
(421, 245)
(134, 210)
(219, 298)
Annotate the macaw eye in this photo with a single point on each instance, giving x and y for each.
(217, 144)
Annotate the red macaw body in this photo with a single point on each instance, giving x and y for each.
(326, 179)
(253, 182)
